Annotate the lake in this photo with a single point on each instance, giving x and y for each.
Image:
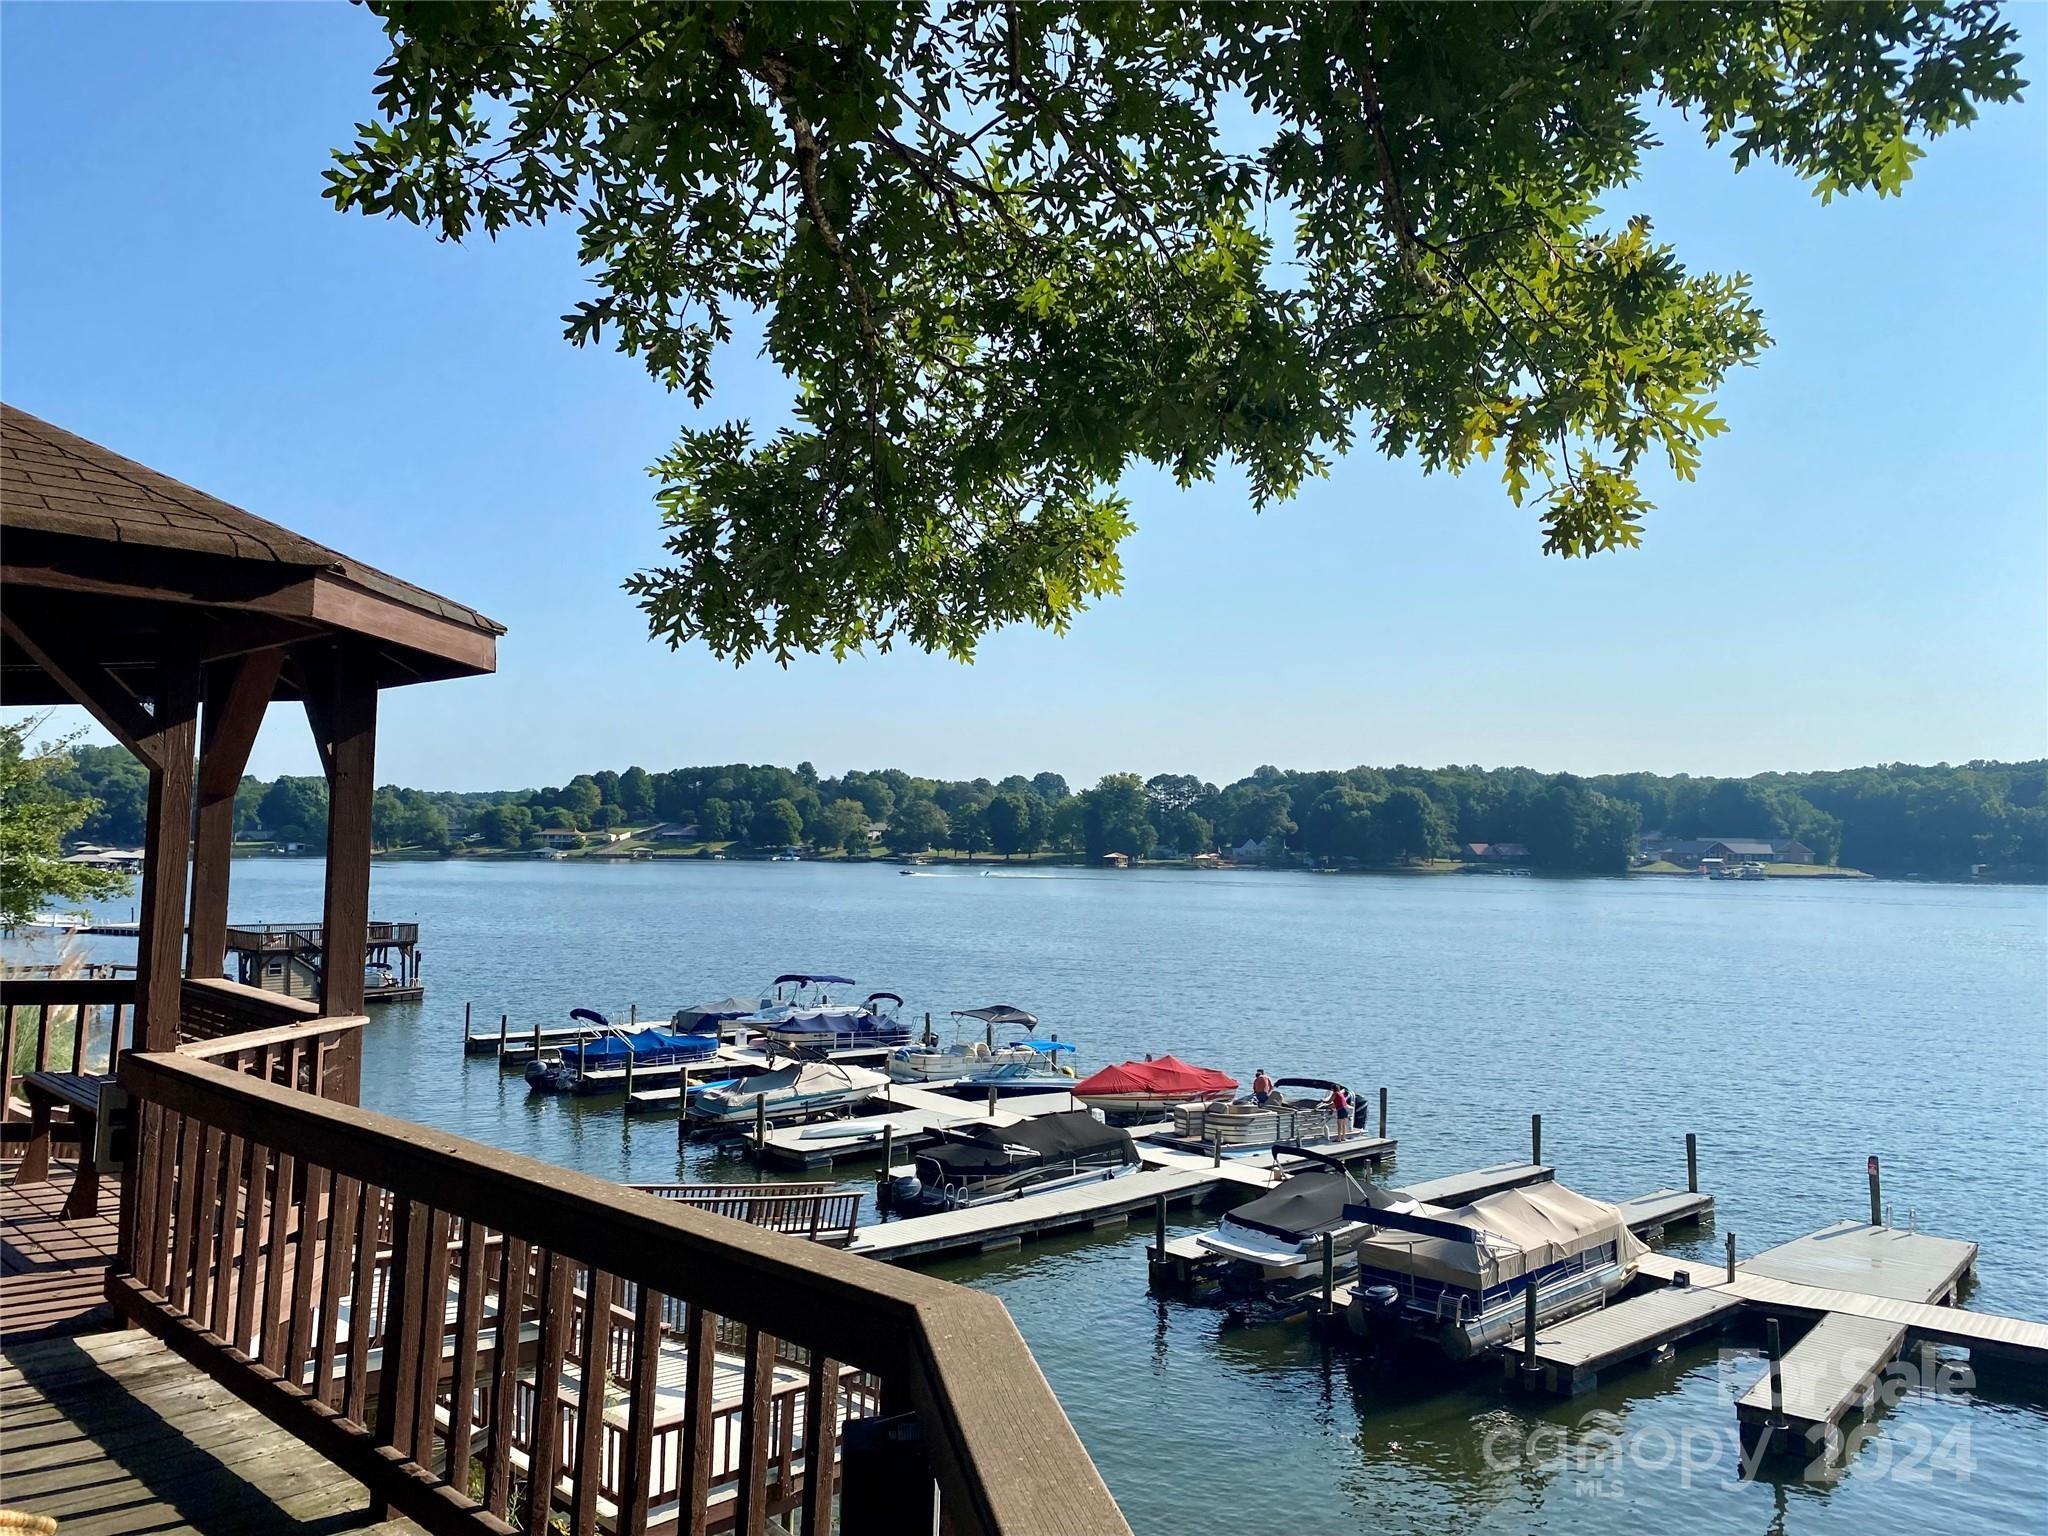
(1796, 1026)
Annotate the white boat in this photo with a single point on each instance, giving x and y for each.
(972, 1067)
(1279, 1236)
(1460, 1277)
(791, 1093)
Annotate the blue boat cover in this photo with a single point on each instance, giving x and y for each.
(613, 1050)
(1046, 1047)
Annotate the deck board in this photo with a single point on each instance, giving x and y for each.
(53, 1271)
(112, 1432)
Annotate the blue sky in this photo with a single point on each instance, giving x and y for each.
(1860, 573)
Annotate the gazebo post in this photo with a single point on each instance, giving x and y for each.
(341, 704)
(236, 697)
(160, 934)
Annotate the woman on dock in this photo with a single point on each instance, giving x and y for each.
(1340, 1111)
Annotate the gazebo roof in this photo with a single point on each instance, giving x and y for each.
(132, 555)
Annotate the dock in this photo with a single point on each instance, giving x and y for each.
(1798, 1405)
(1168, 1175)
(1570, 1355)
(912, 1112)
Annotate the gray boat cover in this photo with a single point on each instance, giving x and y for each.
(1069, 1136)
(1521, 1230)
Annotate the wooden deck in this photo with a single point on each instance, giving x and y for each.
(113, 1432)
(1827, 1375)
(52, 1271)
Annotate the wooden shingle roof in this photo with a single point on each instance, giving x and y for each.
(55, 482)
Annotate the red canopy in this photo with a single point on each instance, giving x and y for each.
(1167, 1075)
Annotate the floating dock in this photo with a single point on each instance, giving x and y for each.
(1798, 1404)
(1570, 1355)
(1168, 1175)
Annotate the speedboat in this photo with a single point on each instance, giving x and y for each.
(1295, 1111)
(598, 1063)
(1140, 1086)
(809, 1017)
(973, 1067)
(984, 1163)
(1279, 1236)
(789, 1093)
(1460, 1277)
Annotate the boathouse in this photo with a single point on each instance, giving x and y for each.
(346, 1317)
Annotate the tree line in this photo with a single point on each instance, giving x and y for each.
(1890, 819)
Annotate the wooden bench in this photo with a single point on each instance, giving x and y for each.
(99, 1109)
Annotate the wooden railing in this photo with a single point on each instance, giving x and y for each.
(313, 1057)
(62, 1026)
(815, 1211)
(212, 1007)
(353, 1277)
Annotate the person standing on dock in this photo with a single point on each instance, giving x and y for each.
(1340, 1111)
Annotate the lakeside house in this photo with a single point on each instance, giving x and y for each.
(558, 837)
(1692, 852)
(1497, 853)
(673, 832)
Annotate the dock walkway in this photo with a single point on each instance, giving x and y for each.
(1570, 1355)
(1827, 1375)
(1168, 1174)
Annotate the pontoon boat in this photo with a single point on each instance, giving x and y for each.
(598, 1063)
(972, 1068)
(1295, 1111)
(809, 1017)
(1279, 1236)
(1460, 1276)
(790, 1093)
(1139, 1086)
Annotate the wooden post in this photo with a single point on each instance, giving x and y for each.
(1731, 1258)
(1216, 1149)
(991, 1098)
(888, 1151)
(1777, 1372)
(160, 932)
(341, 704)
(1529, 1326)
(1876, 1196)
(1329, 1272)
(629, 1069)
(236, 698)
(1692, 1163)
(536, 1037)
(760, 1121)
(1383, 1114)
(1159, 1227)
(504, 1024)
(465, 1026)
(633, 1016)
(1535, 1138)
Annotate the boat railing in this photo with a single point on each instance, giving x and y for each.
(350, 1274)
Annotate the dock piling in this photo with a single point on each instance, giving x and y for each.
(1329, 1270)
(465, 1026)
(991, 1095)
(1777, 1372)
(1528, 1369)
(1876, 1197)
(536, 1037)
(1731, 1258)
(632, 1016)
(504, 1023)
(1383, 1113)
(1216, 1149)
(629, 1071)
(1159, 1229)
(1535, 1138)
(888, 1150)
(1692, 1163)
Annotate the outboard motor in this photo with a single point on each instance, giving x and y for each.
(904, 1189)
(1375, 1315)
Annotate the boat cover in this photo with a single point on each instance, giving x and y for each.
(999, 1013)
(1302, 1206)
(724, 1008)
(612, 1050)
(814, 981)
(1167, 1075)
(1065, 1137)
(1520, 1230)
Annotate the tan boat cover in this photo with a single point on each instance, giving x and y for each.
(1525, 1229)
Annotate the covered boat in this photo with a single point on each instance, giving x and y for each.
(1152, 1085)
(598, 1062)
(989, 1162)
(791, 1093)
(802, 1013)
(1295, 1111)
(1460, 1276)
(1279, 1236)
